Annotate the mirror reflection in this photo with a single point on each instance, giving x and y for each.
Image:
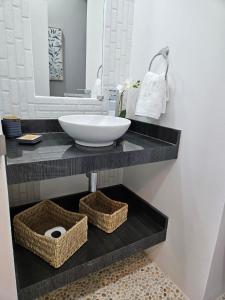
(68, 47)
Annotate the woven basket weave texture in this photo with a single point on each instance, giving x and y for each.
(31, 224)
(103, 212)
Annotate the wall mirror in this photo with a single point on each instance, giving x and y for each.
(67, 47)
(100, 34)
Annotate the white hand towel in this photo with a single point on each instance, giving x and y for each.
(167, 97)
(153, 96)
(97, 89)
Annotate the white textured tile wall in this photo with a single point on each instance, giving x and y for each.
(118, 41)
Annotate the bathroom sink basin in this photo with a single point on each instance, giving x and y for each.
(94, 130)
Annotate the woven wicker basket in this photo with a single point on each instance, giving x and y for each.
(31, 224)
(103, 212)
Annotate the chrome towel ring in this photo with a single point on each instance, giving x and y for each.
(165, 53)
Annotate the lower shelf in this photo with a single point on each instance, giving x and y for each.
(145, 227)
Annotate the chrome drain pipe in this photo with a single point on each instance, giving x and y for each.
(93, 180)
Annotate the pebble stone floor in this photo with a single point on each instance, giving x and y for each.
(135, 278)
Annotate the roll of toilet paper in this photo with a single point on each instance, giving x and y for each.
(55, 232)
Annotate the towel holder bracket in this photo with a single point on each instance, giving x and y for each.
(165, 53)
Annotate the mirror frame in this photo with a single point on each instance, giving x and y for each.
(40, 31)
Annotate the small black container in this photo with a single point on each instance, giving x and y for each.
(11, 128)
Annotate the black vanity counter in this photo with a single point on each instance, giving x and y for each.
(58, 156)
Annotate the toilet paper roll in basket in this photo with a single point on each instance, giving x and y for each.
(55, 232)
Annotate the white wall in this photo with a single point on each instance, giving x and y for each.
(7, 274)
(216, 280)
(190, 190)
(95, 42)
(39, 9)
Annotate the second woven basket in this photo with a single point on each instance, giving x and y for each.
(103, 212)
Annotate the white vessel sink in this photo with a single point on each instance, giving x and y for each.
(94, 130)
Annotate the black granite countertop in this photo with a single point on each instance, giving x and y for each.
(58, 156)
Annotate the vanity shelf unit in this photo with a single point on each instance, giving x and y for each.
(57, 156)
(145, 227)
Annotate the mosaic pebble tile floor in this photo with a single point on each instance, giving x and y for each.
(135, 278)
